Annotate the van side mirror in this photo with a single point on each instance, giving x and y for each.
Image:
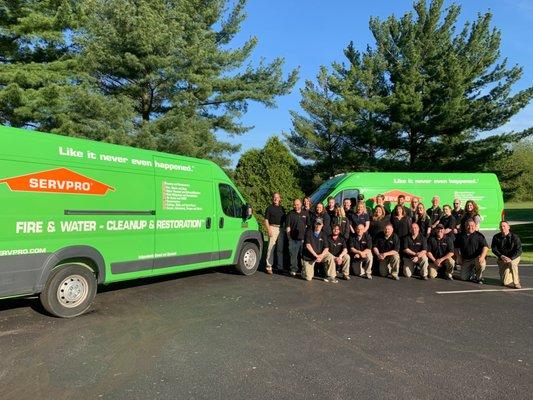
(247, 212)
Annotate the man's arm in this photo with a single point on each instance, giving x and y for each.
(517, 248)
(494, 247)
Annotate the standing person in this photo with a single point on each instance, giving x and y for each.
(274, 224)
(448, 221)
(423, 220)
(360, 246)
(440, 253)
(378, 222)
(508, 248)
(330, 209)
(380, 201)
(414, 253)
(320, 212)
(471, 213)
(316, 250)
(434, 212)
(400, 222)
(457, 213)
(401, 203)
(361, 198)
(343, 222)
(414, 205)
(360, 217)
(387, 250)
(296, 222)
(308, 204)
(347, 207)
(473, 249)
(339, 250)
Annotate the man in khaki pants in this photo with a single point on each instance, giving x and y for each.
(274, 222)
(387, 250)
(473, 250)
(316, 250)
(440, 254)
(361, 252)
(508, 248)
(414, 253)
(339, 250)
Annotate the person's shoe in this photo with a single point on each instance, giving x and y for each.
(269, 271)
(369, 276)
(361, 275)
(424, 278)
(449, 277)
(331, 279)
(346, 277)
(292, 273)
(396, 278)
(517, 286)
(480, 281)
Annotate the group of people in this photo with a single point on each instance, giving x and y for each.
(355, 238)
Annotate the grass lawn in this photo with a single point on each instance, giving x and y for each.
(522, 212)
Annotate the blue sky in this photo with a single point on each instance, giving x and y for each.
(311, 33)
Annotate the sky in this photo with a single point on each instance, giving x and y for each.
(312, 33)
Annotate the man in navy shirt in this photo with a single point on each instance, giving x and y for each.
(387, 250)
(316, 250)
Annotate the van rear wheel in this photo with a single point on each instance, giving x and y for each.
(69, 290)
(248, 259)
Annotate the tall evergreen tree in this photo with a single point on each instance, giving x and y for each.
(172, 60)
(422, 93)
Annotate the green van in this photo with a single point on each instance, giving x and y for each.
(482, 188)
(77, 213)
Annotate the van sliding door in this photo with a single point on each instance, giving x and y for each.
(185, 236)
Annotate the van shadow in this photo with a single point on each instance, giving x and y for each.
(34, 303)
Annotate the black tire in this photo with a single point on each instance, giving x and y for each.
(248, 259)
(78, 288)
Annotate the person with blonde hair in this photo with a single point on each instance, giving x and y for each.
(342, 221)
(378, 222)
(360, 216)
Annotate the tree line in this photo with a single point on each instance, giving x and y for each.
(165, 75)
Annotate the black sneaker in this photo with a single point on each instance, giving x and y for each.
(449, 277)
(424, 278)
(480, 281)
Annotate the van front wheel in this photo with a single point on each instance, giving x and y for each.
(69, 290)
(248, 259)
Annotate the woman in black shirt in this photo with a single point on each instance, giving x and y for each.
(448, 221)
(400, 222)
(341, 220)
(423, 220)
(378, 222)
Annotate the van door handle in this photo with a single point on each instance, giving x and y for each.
(221, 222)
(208, 223)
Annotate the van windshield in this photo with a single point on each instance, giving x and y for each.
(325, 189)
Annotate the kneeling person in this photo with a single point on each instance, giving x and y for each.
(440, 253)
(473, 250)
(316, 250)
(387, 249)
(508, 248)
(361, 252)
(414, 253)
(339, 251)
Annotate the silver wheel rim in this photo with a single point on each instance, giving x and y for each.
(249, 258)
(72, 291)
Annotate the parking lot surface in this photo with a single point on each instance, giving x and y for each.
(218, 335)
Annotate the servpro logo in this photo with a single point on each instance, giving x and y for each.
(392, 196)
(60, 180)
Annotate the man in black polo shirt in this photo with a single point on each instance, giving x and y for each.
(316, 250)
(508, 248)
(407, 210)
(440, 253)
(330, 209)
(457, 213)
(339, 251)
(473, 250)
(414, 253)
(347, 205)
(434, 212)
(274, 222)
(361, 252)
(296, 222)
(387, 250)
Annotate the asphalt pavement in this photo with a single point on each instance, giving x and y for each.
(219, 335)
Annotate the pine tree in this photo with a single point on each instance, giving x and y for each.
(172, 60)
(419, 98)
